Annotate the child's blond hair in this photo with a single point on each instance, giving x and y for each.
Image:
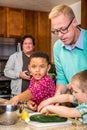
(81, 78)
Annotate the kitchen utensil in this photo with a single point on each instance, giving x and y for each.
(9, 114)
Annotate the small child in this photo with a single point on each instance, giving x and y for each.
(78, 86)
(41, 85)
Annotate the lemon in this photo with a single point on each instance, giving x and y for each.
(24, 115)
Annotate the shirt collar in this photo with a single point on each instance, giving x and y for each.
(78, 44)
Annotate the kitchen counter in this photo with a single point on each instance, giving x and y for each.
(21, 125)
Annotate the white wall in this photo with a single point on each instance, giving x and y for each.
(77, 10)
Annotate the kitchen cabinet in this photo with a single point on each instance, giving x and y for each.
(84, 14)
(11, 22)
(43, 32)
(37, 24)
(2, 21)
(15, 23)
(29, 22)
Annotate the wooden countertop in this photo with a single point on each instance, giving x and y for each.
(21, 125)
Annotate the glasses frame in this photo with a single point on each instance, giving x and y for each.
(56, 31)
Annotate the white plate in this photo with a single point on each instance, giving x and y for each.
(47, 125)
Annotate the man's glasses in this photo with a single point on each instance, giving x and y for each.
(63, 31)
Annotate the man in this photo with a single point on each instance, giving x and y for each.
(70, 51)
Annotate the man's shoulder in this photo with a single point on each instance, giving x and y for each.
(58, 44)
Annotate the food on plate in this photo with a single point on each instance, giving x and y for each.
(47, 118)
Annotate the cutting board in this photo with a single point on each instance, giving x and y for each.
(38, 125)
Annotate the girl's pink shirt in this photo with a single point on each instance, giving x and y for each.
(44, 89)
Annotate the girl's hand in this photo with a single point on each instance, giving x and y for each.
(13, 101)
(32, 105)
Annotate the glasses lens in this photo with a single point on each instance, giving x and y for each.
(63, 31)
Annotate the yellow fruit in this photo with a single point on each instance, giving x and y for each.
(24, 115)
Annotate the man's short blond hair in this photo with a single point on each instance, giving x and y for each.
(61, 9)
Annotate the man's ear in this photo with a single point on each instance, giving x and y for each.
(75, 23)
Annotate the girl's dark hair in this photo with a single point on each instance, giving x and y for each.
(27, 36)
(38, 54)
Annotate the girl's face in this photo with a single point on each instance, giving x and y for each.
(38, 67)
(77, 92)
(28, 46)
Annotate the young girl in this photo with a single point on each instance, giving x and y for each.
(78, 86)
(41, 85)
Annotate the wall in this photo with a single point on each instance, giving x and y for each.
(77, 10)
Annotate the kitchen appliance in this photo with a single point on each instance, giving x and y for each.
(8, 46)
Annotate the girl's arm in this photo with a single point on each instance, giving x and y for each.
(26, 95)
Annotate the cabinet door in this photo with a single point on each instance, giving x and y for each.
(3, 21)
(14, 22)
(29, 23)
(43, 33)
(84, 14)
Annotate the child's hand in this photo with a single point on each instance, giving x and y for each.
(44, 103)
(13, 101)
(69, 86)
(32, 105)
(46, 109)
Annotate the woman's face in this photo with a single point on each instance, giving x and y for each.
(38, 67)
(28, 46)
(62, 22)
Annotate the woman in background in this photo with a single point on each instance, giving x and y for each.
(17, 66)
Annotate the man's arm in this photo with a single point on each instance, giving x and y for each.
(60, 89)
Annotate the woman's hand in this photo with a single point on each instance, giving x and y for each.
(32, 105)
(24, 75)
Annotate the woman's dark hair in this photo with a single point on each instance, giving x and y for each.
(38, 54)
(27, 36)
